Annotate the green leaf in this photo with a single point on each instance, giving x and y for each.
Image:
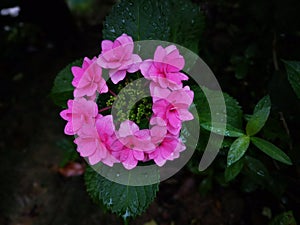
(218, 128)
(259, 117)
(271, 150)
(186, 22)
(233, 170)
(232, 112)
(256, 166)
(155, 20)
(237, 149)
(256, 172)
(141, 19)
(125, 201)
(285, 218)
(62, 90)
(256, 175)
(69, 151)
(293, 71)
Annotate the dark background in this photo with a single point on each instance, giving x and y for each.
(243, 43)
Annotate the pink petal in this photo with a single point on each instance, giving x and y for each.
(69, 129)
(130, 162)
(173, 130)
(66, 114)
(168, 147)
(70, 104)
(95, 158)
(106, 45)
(105, 125)
(159, 108)
(127, 128)
(117, 76)
(89, 91)
(185, 115)
(102, 87)
(173, 118)
(135, 66)
(144, 67)
(171, 48)
(158, 121)
(110, 160)
(158, 133)
(139, 155)
(159, 54)
(157, 92)
(86, 147)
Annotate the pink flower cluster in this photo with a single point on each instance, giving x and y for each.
(96, 135)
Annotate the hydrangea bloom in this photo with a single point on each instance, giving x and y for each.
(94, 141)
(118, 57)
(131, 145)
(174, 108)
(97, 137)
(78, 71)
(89, 81)
(165, 68)
(80, 112)
(168, 149)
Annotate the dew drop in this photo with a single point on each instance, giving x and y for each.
(126, 215)
(110, 202)
(261, 173)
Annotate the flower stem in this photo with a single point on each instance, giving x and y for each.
(105, 108)
(113, 93)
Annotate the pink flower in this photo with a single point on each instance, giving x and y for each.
(167, 145)
(157, 92)
(96, 146)
(80, 112)
(79, 71)
(167, 149)
(90, 82)
(132, 144)
(164, 68)
(174, 108)
(118, 57)
(158, 130)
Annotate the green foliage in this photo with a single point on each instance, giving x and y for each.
(229, 131)
(69, 151)
(62, 89)
(285, 218)
(179, 22)
(182, 22)
(271, 150)
(141, 19)
(293, 71)
(256, 171)
(259, 117)
(238, 149)
(187, 30)
(126, 201)
(232, 112)
(233, 170)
